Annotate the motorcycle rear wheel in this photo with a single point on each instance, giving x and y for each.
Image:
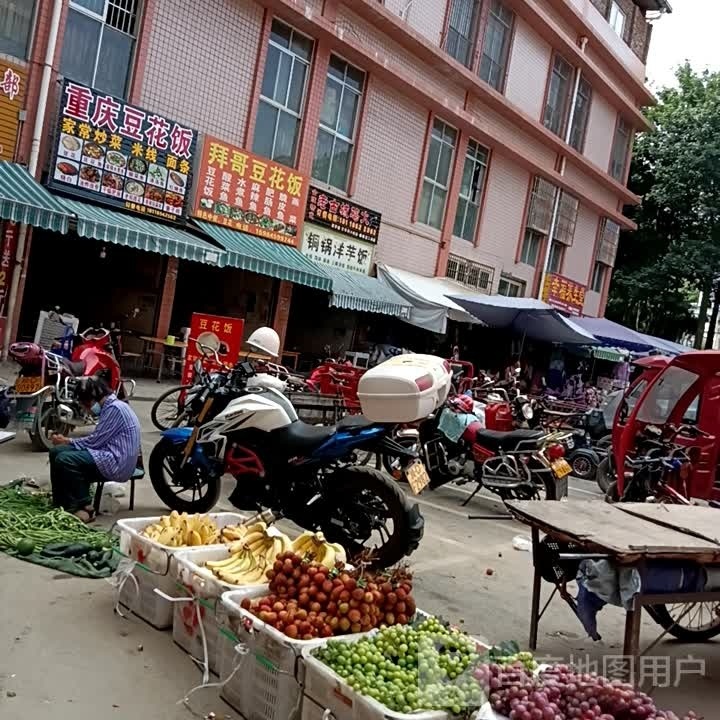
(165, 474)
(605, 474)
(46, 424)
(583, 465)
(361, 502)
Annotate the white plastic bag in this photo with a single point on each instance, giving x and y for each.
(110, 500)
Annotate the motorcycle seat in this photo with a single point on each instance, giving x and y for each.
(353, 423)
(76, 367)
(499, 440)
(300, 437)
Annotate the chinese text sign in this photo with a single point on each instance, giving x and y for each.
(216, 331)
(118, 154)
(328, 248)
(13, 84)
(8, 247)
(342, 215)
(564, 294)
(249, 193)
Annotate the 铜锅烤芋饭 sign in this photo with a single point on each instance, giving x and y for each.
(249, 193)
(121, 155)
(564, 294)
(340, 251)
(342, 215)
(215, 331)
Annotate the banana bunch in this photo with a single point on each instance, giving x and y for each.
(176, 530)
(251, 557)
(319, 549)
(234, 533)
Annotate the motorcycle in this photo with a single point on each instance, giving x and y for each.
(44, 389)
(303, 472)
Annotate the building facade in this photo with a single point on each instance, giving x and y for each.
(493, 136)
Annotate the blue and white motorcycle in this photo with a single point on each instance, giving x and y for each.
(303, 472)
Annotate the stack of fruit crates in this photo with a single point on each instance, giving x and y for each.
(155, 568)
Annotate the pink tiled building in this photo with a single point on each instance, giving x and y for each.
(494, 136)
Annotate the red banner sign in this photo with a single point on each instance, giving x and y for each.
(8, 247)
(249, 193)
(223, 333)
(564, 294)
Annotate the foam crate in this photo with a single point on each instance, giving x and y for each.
(152, 554)
(201, 581)
(312, 711)
(144, 602)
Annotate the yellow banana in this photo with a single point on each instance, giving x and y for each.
(253, 537)
(194, 538)
(340, 554)
(232, 533)
(219, 564)
(259, 526)
(167, 536)
(328, 556)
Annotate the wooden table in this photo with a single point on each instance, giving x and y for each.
(626, 534)
(149, 340)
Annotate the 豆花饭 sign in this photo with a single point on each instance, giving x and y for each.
(342, 215)
(121, 155)
(564, 294)
(329, 248)
(249, 193)
(13, 85)
(224, 334)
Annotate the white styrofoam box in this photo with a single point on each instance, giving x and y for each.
(404, 388)
(143, 601)
(312, 711)
(201, 580)
(152, 554)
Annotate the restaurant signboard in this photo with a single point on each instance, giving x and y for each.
(342, 215)
(334, 250)
(13, 86)
(249, 193)
(114, 153)
(564, 294)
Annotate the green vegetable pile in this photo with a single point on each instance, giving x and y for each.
(28, 523)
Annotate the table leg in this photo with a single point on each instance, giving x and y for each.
(537, 586)
(631, 645)
(160, 366)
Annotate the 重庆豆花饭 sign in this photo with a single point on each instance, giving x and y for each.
(329, 248)
(342, 215)
(249, 193)
(121, 155)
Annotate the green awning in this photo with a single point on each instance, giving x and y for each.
(111, 226)
(24, 200)
(355, 291)
(266, 257)
(609, 354)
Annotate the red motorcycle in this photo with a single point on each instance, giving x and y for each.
(44, 392)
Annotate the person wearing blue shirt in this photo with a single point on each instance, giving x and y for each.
(110, 453)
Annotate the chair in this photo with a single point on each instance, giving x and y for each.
(138, 474)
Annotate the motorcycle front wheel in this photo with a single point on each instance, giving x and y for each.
(188, 489)
(370, 516)
(584, 465)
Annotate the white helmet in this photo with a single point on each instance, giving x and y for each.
(265, 340)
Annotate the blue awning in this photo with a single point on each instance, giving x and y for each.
(356, 291)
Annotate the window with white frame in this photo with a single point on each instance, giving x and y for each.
(461, 30)
(530, 250)
(98, 43)
(438, 168)
(471, 190)
(282, 96)
(496, 45)
(16, 18)
(338, 123)
(469, 273)
(557, 254)
(600, 273)
(581, 115)
(558, 96)
(620, 150)
(617, 19)
(511, 287)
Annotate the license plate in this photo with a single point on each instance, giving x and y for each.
(28, 385)
(561, 468)
(417, 477)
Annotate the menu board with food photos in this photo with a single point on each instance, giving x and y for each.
(118, 154)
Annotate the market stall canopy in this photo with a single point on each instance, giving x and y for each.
(613, 334)
(356, 291)
(526, 316)
(24, 200)
(667, 347)
(428, 297)
(265, 257)
(99, 223)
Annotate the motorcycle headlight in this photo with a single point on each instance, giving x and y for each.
(527, 411)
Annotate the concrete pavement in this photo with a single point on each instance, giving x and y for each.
(66, 655)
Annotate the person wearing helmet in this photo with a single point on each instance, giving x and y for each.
(266, 341)
(110, 453)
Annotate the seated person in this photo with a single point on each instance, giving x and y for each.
(110, 453)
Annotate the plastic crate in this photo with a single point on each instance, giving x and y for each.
(312, 711)
(143, 601)
(201, 581)
(152, 554)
